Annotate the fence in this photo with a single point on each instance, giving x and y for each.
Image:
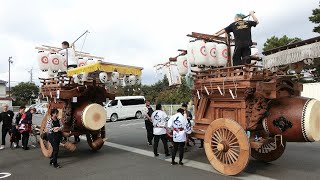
(172, 109)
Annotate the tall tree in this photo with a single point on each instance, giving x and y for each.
(315, 18)
(275, 42)
(24, 92)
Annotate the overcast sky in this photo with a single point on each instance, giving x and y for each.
(140, 32)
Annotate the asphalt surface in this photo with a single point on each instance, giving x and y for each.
(127, 156)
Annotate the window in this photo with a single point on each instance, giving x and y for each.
(131, 102)
(114, 103)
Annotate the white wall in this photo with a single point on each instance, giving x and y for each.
(311, 90)
(2, 90)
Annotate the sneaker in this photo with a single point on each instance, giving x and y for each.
(15, 145)
(56, 166)
(181, 163)
(168, 155)
(150, 144)
(156, 155)
(1, 147)
(27, 148)
(174, 163)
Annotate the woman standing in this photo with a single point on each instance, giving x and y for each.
(25, 127)
(53, 128)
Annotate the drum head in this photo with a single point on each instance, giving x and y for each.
(311, 120)
(94, 117)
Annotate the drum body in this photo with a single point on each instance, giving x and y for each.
(211, 53)
(182, 64)
(200, 54)
(222, 54)
(297, 119)
(90, 116)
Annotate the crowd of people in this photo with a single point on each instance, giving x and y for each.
(18, 126)
(174, 129)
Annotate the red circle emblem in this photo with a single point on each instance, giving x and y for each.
(81, 64)
(55, 61)
(44, 60)
(225, 53)
(203, 51)
(213, 52)
(65, 63)
(185, 63)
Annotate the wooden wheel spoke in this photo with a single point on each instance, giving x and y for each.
(232, 156)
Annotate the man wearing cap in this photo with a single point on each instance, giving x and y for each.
(242, 35)
(6, 118)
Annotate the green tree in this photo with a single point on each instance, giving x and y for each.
(315, 18)
(24, 92)
(275, 42)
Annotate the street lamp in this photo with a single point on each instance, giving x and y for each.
(10, 62)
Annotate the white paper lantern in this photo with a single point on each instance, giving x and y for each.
(200, 54)
(190, 53)
(82, 61)
(43, 60)
(182, 64)
(222, 56)
(54, 61)
(132, 80)
(211, 53)
(103, 76)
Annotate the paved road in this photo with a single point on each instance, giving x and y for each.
(127, 156)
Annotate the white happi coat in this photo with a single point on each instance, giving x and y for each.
(70, 54)
(180, 127)
(159, 119)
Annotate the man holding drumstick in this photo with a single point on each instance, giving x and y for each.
(242, 34)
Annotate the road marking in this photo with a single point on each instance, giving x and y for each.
(4, 175)
(187, 162)
(131, 124)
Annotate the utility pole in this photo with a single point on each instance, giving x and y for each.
(31, 74)
(10, 62)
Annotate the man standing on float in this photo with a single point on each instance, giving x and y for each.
(242, 35)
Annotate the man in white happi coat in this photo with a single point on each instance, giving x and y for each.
(180, 126)
(159, 120)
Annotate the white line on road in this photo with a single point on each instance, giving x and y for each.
(131, 124)
(4, 175)
(189, 163)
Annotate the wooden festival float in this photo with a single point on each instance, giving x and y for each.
(79, 94)
(249, 110)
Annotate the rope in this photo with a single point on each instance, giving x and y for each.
(85, 38)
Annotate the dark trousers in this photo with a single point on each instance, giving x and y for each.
(176, 146)
(25, 139)
(5, 131)
(77, 138)
(241, 56)
(149, 127)
(16, 136)
(54, 140)
(164, 140)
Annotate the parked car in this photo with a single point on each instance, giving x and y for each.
(42, 108)
(124, 107)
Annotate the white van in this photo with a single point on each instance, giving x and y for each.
(123, 107)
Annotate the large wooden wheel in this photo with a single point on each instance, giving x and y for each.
(45, 145)
(269, 152)
(227, 146)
